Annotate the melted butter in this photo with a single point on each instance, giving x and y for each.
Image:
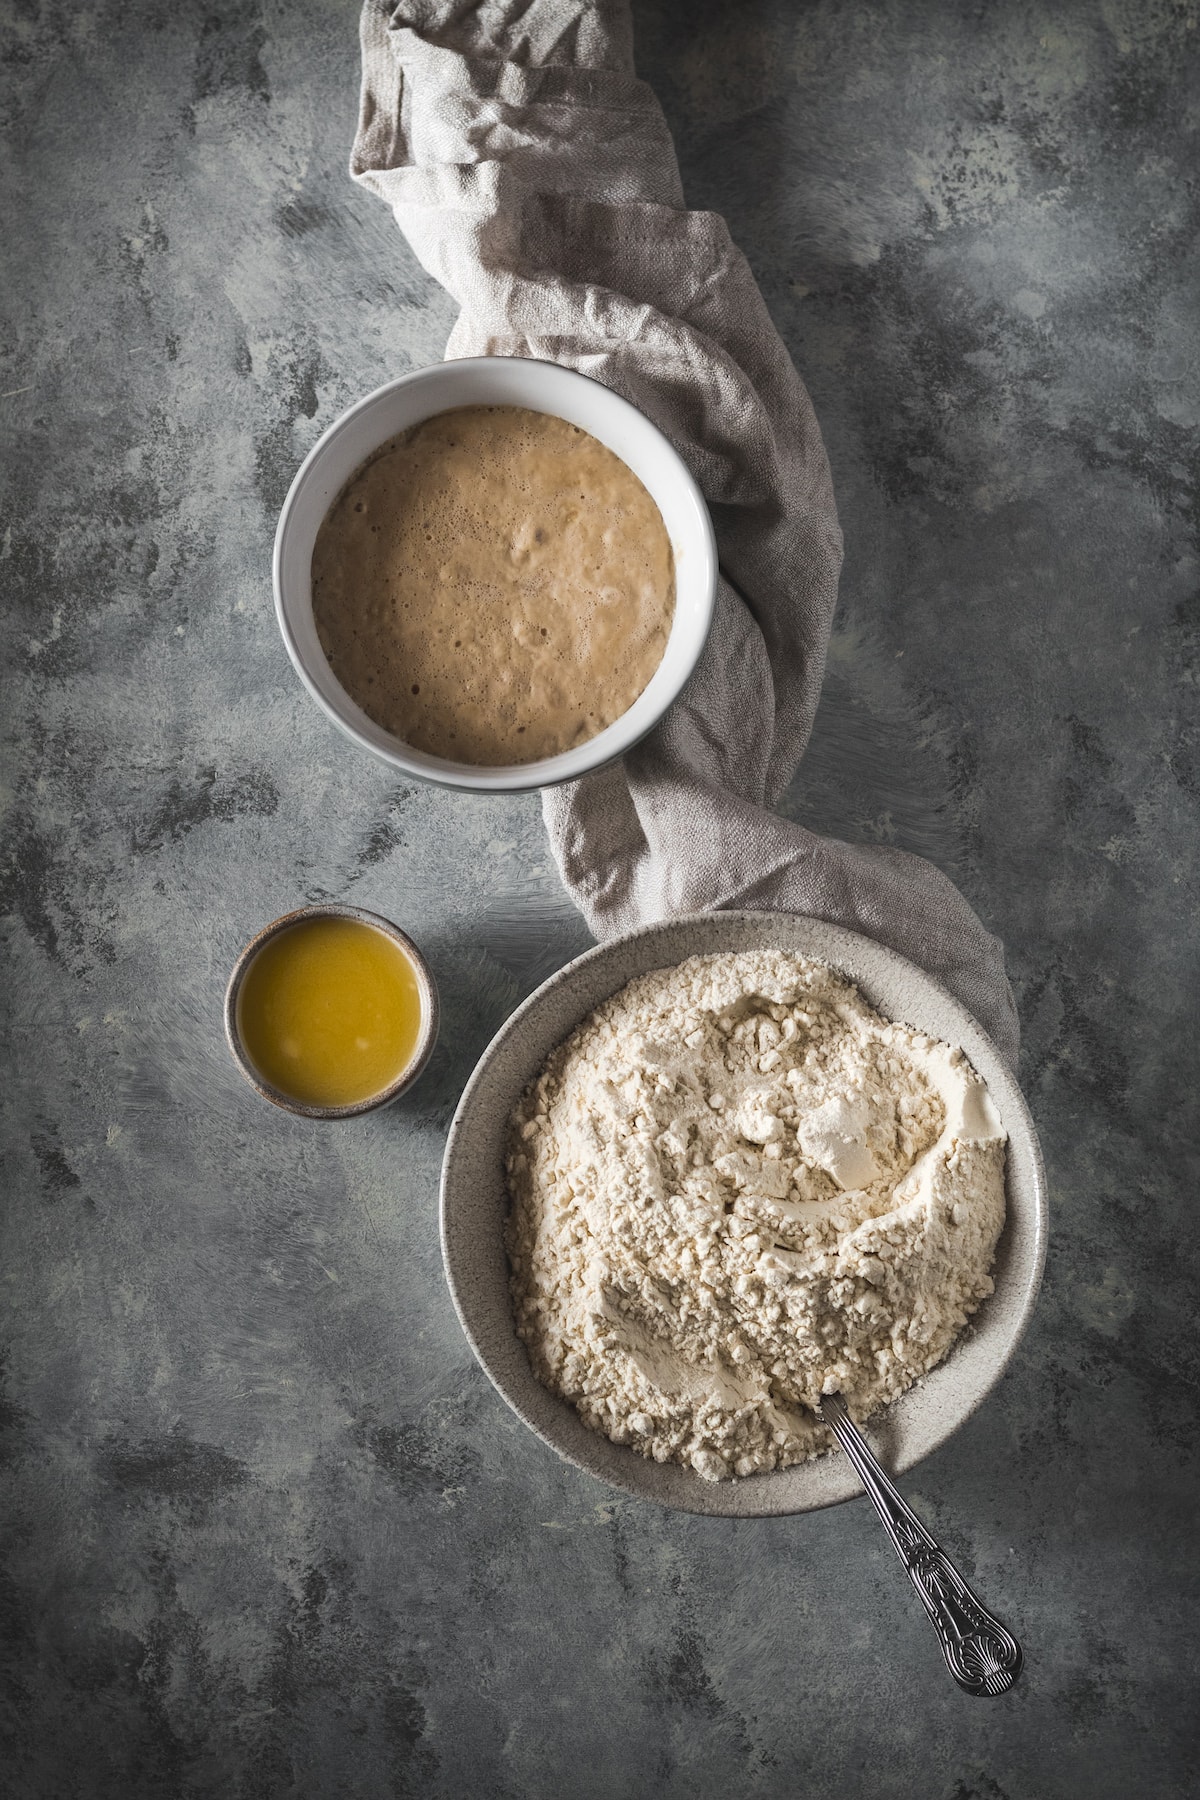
(494, 586)
(329, 1011)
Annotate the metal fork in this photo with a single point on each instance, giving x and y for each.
(982, 1654)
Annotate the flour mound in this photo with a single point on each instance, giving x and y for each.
(737, 1187)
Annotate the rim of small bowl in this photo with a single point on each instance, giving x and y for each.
(430, 1013)
(775, 1494)
(607, 746)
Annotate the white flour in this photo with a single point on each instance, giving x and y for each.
(737, 1187)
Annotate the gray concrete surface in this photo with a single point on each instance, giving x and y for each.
(267, 1531)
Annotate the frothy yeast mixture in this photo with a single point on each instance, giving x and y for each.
(493, 586)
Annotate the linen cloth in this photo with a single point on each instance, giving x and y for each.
(535, 178)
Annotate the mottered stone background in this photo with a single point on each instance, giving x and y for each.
(267, 1530)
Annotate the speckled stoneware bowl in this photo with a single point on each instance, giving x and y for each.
(474, 1204)
(412, 1068)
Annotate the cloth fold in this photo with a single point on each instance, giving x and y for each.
(535, 177)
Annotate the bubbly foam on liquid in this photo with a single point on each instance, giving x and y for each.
(494, 586)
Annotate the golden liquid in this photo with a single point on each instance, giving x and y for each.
(329, 1011)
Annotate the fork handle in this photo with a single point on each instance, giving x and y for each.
(982, 1654)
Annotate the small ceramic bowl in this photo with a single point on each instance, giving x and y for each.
(496, 381)
(475, 1203)
(429, 1014)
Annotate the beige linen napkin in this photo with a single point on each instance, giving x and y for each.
(535, 177)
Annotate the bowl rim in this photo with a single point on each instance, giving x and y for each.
(763, 1492)
(609, 745)
(426, 1040)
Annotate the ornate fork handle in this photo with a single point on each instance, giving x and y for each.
(982, 1655)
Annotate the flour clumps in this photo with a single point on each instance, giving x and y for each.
(736, 1187)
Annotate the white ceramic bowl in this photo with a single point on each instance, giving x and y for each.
(496, 381)
(475, 1202)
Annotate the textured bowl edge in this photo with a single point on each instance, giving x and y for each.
(1014, 1103)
